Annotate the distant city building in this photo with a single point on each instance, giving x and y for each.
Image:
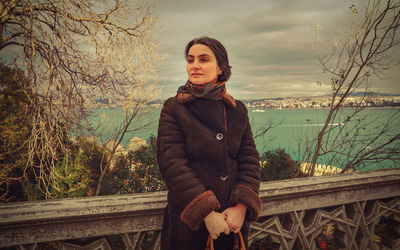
(372, 100)
(325, 102)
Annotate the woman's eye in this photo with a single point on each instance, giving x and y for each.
(204, 59)
(190, 60)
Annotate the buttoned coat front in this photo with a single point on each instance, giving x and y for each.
(208, 159)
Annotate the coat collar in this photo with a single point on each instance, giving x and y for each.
(184, 97)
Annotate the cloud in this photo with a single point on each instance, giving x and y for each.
(270, 43)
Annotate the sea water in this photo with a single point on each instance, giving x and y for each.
(289, 129)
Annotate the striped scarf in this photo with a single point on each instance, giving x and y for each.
(213, 91)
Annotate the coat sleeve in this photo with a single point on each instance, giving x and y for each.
(248, 179)
(184, 186)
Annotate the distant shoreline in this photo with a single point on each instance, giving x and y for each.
(327, 108)
(254, 107)
(319, 102)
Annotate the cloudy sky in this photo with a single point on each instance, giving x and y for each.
(269, 42)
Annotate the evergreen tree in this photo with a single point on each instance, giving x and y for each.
(15, 127)
(135, 172)
(77, 173)
(278, 165)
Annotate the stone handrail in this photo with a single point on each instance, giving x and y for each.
(294, 214)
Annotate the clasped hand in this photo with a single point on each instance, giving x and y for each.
(231, 219)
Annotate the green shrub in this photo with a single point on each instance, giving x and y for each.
(278, 165)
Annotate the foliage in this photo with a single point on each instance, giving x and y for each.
(31, 192)
(131, 172)
(147, 176)
(118, 179)
(77, 171)
(278, 165)
(77, 174)
(15, 127)
(135, 172)
(74, 53)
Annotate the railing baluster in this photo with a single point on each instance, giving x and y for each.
(87, 244)
(131, 240)
(29, 246)
(155, 245)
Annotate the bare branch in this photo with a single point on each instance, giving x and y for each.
(367, 51)
(74, 53)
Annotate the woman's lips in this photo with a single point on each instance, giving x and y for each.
(196, 74)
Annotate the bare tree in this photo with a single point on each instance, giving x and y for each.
(132, 112)
(74, 53)
(265, 128)
(354, 137)
(263, 131)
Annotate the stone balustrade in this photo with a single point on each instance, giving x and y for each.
(350, 211)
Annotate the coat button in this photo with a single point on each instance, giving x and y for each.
(219, 136)
(223, 177)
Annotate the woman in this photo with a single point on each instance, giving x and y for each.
(207, 156)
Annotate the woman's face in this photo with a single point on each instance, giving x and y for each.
(202, 66)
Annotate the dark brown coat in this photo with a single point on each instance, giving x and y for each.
(208, 159)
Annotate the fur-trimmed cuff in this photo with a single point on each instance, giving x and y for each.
(244, 194)
(197, 209)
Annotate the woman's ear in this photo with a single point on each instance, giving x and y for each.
(219, 70)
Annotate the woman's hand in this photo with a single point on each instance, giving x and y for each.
(235, 216)
(216, 224)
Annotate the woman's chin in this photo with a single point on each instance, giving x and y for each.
(197, 81)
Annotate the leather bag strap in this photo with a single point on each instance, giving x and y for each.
(239, 242)
(210, 243)
(238, 245)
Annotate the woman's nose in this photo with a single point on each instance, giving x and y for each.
(195, 65)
